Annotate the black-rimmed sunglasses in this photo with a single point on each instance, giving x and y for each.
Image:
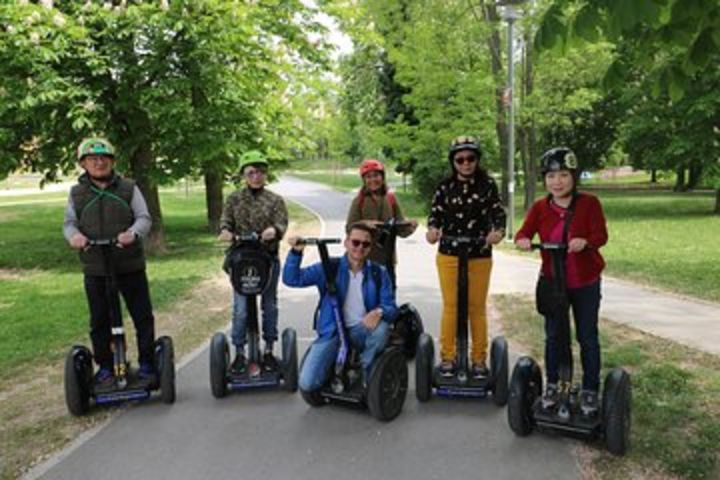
(356, 243)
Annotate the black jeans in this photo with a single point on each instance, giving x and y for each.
(585, 305)
(136, 293)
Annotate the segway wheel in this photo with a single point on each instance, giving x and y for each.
(525, 388)
(616, 409)
(166, 369)
(78, 376)
(290, 360)
(409, 325)
(312, 398)
(219, 359)
(499, 365)
(388, 385)
(424, 361)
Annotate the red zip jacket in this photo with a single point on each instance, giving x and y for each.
(588, 222)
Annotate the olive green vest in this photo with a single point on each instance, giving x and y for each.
(104, 214)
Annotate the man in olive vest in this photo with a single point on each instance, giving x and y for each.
(103, 205)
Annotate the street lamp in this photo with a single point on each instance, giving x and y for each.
(510, 13)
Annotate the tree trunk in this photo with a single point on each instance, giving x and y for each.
(653, 175)
(717, 201)
(501, 129)
(141, 163)
(680, 179)
(213, 197)
(694, 175)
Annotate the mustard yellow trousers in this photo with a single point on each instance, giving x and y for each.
(479, 283)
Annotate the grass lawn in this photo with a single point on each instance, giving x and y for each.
(675, 415)
(44, 311)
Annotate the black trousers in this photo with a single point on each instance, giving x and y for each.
(136, 293)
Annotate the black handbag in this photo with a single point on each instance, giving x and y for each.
(551, 295)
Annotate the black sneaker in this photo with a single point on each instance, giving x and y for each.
(589, 402)
(104, 377)
(239, 364)
(146, 374)
(269, 362)
(480, 370)
(551, 397)
(447, 368)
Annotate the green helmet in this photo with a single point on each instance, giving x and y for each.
(252, 157)
(95, 146)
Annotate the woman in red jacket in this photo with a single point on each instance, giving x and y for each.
(585, 234)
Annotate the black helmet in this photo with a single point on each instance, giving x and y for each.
(558, 158)
(464, 143)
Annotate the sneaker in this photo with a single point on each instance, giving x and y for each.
(551, 397)
(146, 374)
(480, 370)
(104, 377)
(239, 364)
(269, 361)
(589, 402)
(447, 368)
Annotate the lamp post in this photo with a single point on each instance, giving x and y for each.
(510, 13)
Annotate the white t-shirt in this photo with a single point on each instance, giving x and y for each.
(354, 307)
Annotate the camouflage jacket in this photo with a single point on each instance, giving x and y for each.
(247, 211)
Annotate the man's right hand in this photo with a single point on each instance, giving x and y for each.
(78, 241)
(225, 236)
(432, 235)
(294, 243)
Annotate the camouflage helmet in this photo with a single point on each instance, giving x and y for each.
(95, 146)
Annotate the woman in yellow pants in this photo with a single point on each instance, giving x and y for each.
(466, 203)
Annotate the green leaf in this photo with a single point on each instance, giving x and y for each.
(677, 83)
(586, 23)
(702, 49)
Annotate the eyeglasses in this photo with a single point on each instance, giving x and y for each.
(356, 243)
(255, 173)
(465, 159)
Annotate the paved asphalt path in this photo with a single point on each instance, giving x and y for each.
(274, 435)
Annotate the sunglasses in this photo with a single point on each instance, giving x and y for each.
(466, 159)
(356, 243)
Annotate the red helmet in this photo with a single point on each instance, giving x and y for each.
(371, 165)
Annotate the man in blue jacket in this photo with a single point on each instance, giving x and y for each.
(368, 309)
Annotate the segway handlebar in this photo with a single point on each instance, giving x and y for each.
(317, 240)
(549, 246)
(102, 242)
(463, 240)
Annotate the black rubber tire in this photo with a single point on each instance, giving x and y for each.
(412, 329)
(166, 369)
(314, 398)
(424, 363)
(290, 360)
(616, 411)
(388, 385)
(219, 360)
(78, 375)
(499, 364)
(525, 388)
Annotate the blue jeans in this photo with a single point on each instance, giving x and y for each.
(585, 304)
(321, 356)
(269, 311)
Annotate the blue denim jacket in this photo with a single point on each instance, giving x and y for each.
(294, 276)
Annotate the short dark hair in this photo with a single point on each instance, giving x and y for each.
(361, 226)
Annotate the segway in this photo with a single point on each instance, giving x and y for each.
(462, 383)
(408, 325)
(525, 408)
(80, 387)
(250, 268)
(384, 393)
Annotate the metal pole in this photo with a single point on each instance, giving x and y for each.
(511, 131)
